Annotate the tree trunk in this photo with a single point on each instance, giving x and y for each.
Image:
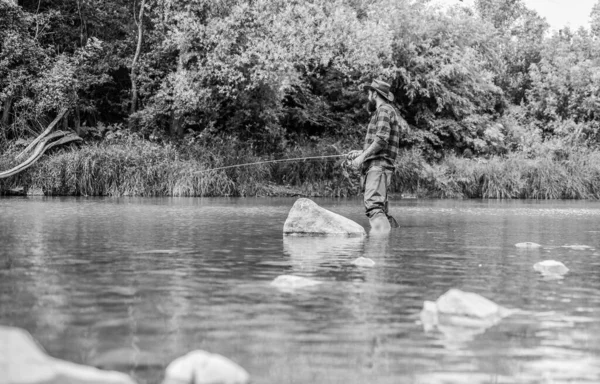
(176, 126)
(44, 134)
(77, 121)
(6, 111)
(65, 122)
(134, 63)
(176, 116)
(82, 26)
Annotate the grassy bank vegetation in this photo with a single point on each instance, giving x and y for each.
(130, 166)
(509, 177)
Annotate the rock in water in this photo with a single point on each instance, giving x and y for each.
(458, 303)
(201, 367)
(363, 262)
(293, 282)
(551, 268)
(307, 218)
(460, 309)
(527, 245)
(23, 361)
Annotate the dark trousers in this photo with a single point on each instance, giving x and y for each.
(377, 180)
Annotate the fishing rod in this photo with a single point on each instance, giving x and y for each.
(270, 161)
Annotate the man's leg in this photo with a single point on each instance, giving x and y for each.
(377, 183)
(375, 195)
(389, 174)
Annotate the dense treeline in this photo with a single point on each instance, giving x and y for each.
(162, 89)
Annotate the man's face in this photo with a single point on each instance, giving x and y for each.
(372, 104)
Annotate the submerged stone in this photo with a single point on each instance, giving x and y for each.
(550, 268)
(527, 245)
(201, 367)
(459, 303)
(293, 282)
(456, 310)
(23, 361)
(307, 218)
(363, 262)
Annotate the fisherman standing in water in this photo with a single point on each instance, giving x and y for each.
(376, 160)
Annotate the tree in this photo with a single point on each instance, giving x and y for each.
(595, 19)
(230, 64)
(140, 25)
(21, 59)
(444, 78)
(566, 82)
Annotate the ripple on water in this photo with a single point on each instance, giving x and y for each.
(161, 276)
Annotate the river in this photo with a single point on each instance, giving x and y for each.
(165, 276)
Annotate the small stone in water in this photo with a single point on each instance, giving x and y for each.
(527, 245)
(363, 262)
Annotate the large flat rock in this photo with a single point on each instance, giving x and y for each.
(307, 218)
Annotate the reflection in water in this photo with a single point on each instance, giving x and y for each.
(308, 253)
(89, 276)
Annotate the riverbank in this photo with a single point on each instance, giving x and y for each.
(135, 167)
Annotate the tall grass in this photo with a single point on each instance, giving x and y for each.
(134, 167)
(576, 176)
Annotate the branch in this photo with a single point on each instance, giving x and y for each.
(65, 137)
(46, 132)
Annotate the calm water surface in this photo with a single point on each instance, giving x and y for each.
(90, 275)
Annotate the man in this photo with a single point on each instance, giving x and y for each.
(379, 153)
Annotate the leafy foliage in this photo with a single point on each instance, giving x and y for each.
(280, 78)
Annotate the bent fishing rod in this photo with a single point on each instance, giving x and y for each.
(271, 161)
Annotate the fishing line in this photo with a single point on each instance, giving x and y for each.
(270, 161)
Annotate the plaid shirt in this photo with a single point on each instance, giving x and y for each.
(384, 127)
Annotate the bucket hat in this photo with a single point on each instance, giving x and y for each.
(380, 87)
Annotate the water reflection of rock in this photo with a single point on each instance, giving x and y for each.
(308, 253)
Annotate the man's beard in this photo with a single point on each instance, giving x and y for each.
(371, 106)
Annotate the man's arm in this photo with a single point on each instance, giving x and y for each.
(372, 149)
